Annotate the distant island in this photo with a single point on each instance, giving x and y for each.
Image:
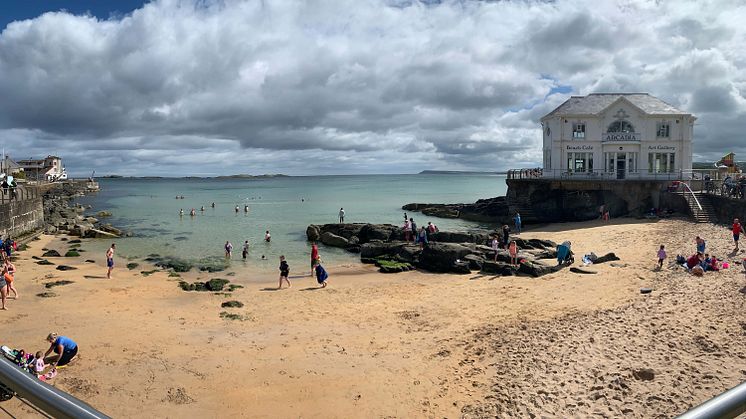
(239, 176)
(457, 172)
(243, 176)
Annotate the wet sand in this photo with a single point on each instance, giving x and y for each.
(404, 345)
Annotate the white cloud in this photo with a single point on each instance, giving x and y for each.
(363, 86)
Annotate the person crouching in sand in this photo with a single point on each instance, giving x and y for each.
(284, 272)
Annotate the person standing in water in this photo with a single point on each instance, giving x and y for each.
(228, 250)
(110, 260)
(245, 250)
(267, 236)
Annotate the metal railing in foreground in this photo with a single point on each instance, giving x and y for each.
(49, 400)
(600, 174)
(726, 405)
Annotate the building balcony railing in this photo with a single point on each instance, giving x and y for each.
(600, 174)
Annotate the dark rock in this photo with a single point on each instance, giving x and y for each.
(76, 241)
(383, 232)
(66, 268)
(216, 284)
(132, 265)
(57, 283)
(606, 258)
(376, 249)
(440, 257)
(176, 264)
(536, 269)
(103, 214)
(51, 253)
(343, 230)
(46, 294)
(44, 262)
(313, 233)
(584, 271)
(459, 237)
(441, 211)
(646, 290)
(232, 304)
(499, 268)
(461, 267)
(331, 239)
(408, 253)
(644, 374)
(392, 266)
(353, 249)
(180, 238)
(90, 261)
(72, 254)
(475, 262)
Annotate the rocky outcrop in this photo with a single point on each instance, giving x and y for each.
(489, 210)
(61, 217)
(446, 252)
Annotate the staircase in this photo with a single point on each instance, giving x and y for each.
(523, 206)
(704, 215)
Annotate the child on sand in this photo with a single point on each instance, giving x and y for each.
(700, 244)
(661, 256)
(39, 363)
(513, 250)
(321, 275)
(9, 274)
(284, 272)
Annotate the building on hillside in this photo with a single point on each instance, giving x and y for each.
(47, 169)
(617, 136)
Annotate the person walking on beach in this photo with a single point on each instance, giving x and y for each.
(245, 251)
(9, 272)
(284, 272)
(228, 250)
(517, 221)
(314, 256)
(341, 215)
(3, 288)
(110, 260)
(737, 229)
(661, 256)
(700, 244)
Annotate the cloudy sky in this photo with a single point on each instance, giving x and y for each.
(208, 87)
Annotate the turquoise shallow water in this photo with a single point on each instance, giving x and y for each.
(285, 206)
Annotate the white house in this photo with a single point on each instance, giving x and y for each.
(46, 169)
(617, 136)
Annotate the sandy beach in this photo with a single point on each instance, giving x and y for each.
(404, 345)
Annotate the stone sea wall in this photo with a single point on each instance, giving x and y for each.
(19, 218)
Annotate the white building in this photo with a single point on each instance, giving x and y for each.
(46, 169)
(617, 136)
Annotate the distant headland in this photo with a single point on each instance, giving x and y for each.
(458, 172)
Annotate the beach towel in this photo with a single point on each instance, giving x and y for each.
(321, 275)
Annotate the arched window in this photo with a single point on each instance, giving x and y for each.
(620, 126)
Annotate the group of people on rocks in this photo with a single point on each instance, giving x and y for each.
(411, 234)
(501, 240)
(701, 261)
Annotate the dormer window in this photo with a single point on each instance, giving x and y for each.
(578, 130)
(663, 129)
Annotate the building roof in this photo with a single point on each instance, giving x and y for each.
(595, 103)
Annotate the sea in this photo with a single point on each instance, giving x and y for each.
(284, 206)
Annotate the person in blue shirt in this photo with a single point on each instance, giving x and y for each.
(517, 220)
(65, 348)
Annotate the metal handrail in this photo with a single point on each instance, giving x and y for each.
(601, 174)
(48, 399)
(686, 186)
(725, 405)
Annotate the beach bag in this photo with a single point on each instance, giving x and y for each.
(680, 259)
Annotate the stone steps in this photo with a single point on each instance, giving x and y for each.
(704, 215)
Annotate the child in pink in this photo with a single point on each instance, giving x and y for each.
(513, 250)
(661, 256)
